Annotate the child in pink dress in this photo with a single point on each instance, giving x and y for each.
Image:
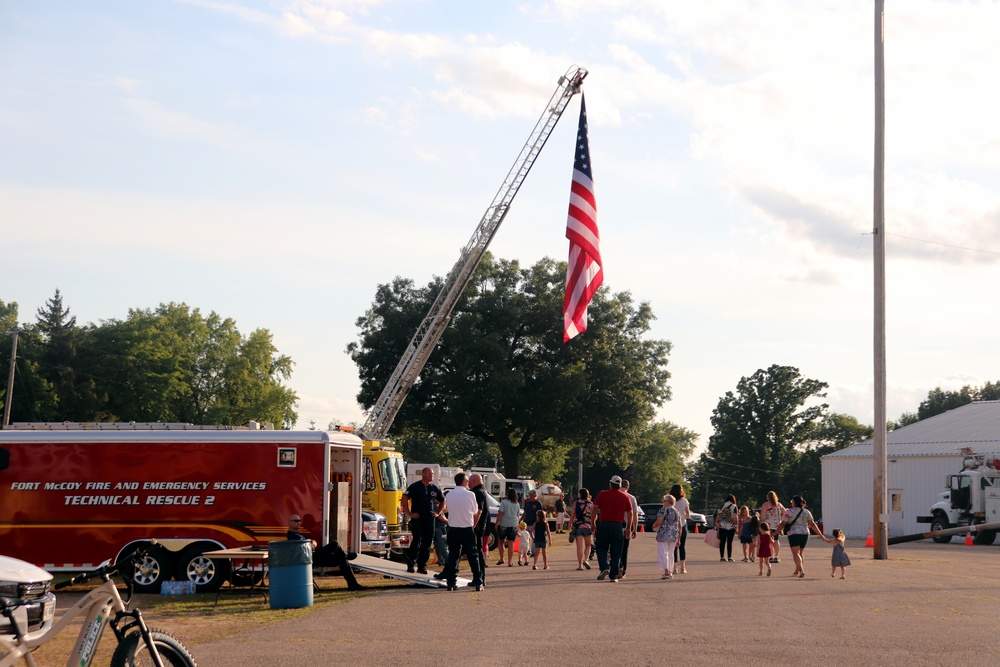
(764, 541)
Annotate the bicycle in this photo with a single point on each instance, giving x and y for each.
(137, 643)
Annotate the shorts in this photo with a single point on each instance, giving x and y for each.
(583, 531)
(540, 544)
(508, 533)
(746, 539)
(798, 540)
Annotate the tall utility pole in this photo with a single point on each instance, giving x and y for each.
(10, 381)
(880, 490)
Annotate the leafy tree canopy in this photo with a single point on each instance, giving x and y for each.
(501, 373)
(938, 400)
(169, 364)
(761, 430)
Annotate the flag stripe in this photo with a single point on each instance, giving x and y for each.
(584, 271)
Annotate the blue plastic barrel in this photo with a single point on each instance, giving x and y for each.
(289, 566)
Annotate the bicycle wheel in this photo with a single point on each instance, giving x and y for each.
(132, 652)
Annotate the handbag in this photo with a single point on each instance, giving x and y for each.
(785, 529)
(712, 538)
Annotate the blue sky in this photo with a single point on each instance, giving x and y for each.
(275, 161)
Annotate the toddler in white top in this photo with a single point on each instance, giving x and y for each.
(525, 543)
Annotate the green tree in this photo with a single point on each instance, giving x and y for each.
(939, 400)
(501, 372)
(835, 431)
(62, 363)
(174, 364)
(760, 430)
(657, 462)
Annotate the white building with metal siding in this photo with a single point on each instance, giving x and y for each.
(920, 456)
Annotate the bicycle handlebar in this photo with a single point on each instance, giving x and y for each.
(108, 569)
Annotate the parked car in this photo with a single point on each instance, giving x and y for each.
(374, 534)
(641, 518)
(648, 516)
(651, 509)
(21, 580)
(697, 522)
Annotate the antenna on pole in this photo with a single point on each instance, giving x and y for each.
(10, 381)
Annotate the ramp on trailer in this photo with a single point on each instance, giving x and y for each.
(388, 568)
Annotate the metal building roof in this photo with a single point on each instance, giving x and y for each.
(975, 425)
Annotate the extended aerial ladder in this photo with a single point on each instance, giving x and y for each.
(429, 332)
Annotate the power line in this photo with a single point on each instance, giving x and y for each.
(946, 245)
(736, 465)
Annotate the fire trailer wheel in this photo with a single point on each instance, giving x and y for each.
(152, 570)
(207, 574)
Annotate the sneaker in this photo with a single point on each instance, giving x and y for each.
(684, 570)
(586, 564)
(603, 575)
(664, 576)
(614, 581)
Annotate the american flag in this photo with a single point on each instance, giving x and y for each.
(584, 274)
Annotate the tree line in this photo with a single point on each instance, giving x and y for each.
(168, 364)
(503, 390)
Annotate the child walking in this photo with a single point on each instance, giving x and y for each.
(542, 538)
(524, 539)
(764, 551)
(840, 558)
(746, 534)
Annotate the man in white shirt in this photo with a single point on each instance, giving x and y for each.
(463, 512)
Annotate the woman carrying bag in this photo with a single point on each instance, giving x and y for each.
(725, 522)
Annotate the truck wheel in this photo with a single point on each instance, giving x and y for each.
(132, 651)
(941, 523)
(152, 570)
(985, 538)
(207, 574)
(492, 541)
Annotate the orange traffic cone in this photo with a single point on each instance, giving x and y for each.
(516, 546)
(696, 531)
(869, 542)
(968, 540)
(642, 527)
